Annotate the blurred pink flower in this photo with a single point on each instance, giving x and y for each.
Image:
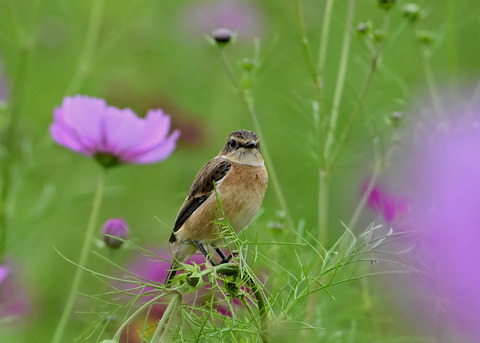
(388, 205)
(111, 135)
(14, 301)
(239, 16)
(449, 174)
(443, 189)
(4, 271)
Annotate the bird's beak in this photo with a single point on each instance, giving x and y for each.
(250, 145)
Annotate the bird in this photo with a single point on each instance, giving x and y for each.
(239, 177)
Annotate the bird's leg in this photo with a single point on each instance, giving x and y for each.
(222, 256)
(205, 253)
(220, 253)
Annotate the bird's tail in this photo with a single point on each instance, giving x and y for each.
(182, 252)
(171, 273)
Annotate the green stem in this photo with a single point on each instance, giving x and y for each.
(322, 53)
(92, 223)
(323, 192)
(116, 337)
(249, 102)
(164, 323)
(358, 107)
(353, 117)
(247, 97)
(374, 64)
(432, 86)
(9, 136)
(452, 46)
(366, 194)
(257, 292)
(322, 57)
(228, 67)
(88, 46)
(379, 167)
(342, 70)
(325, 169)
(124, 23)
(306, 45)
(316, 76)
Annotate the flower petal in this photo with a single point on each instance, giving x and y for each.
(155, 154)
(157, 125)
(121, 130)
(65, 137)
(84, 116)
(4, 272)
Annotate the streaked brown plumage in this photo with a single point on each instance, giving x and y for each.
(240, 178)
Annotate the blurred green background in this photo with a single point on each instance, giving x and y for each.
(151, 54)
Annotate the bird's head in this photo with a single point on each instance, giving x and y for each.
(243, 147)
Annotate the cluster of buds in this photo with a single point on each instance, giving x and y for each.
(411, 11)
(365, 29)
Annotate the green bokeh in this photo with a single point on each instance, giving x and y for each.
(146, 56)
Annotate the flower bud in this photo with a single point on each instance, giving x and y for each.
(364, 28)
(379, 35)
(115, 227)
(247, 64)
(396, 118)
(194, 279)
(425, 37)
(222, 35)
(386, 4)
(411, 11)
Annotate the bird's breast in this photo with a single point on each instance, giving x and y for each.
(241, 193)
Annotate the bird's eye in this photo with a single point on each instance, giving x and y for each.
(232, 143)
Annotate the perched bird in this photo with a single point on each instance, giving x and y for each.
(240, 178)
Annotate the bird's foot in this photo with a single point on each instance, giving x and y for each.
(229, 257)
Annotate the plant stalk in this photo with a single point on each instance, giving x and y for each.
(248, 99)
(88, 48)
(342, 71)
(116, 337)
(306, 45)
(249, 102)
(164, 323)
(77, 279)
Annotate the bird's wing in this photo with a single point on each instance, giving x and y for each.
(202, 187)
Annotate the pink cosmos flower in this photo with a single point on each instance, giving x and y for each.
(4, 271)
(111, 135)
(443, 187)
(448, 212)
(382, 202)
